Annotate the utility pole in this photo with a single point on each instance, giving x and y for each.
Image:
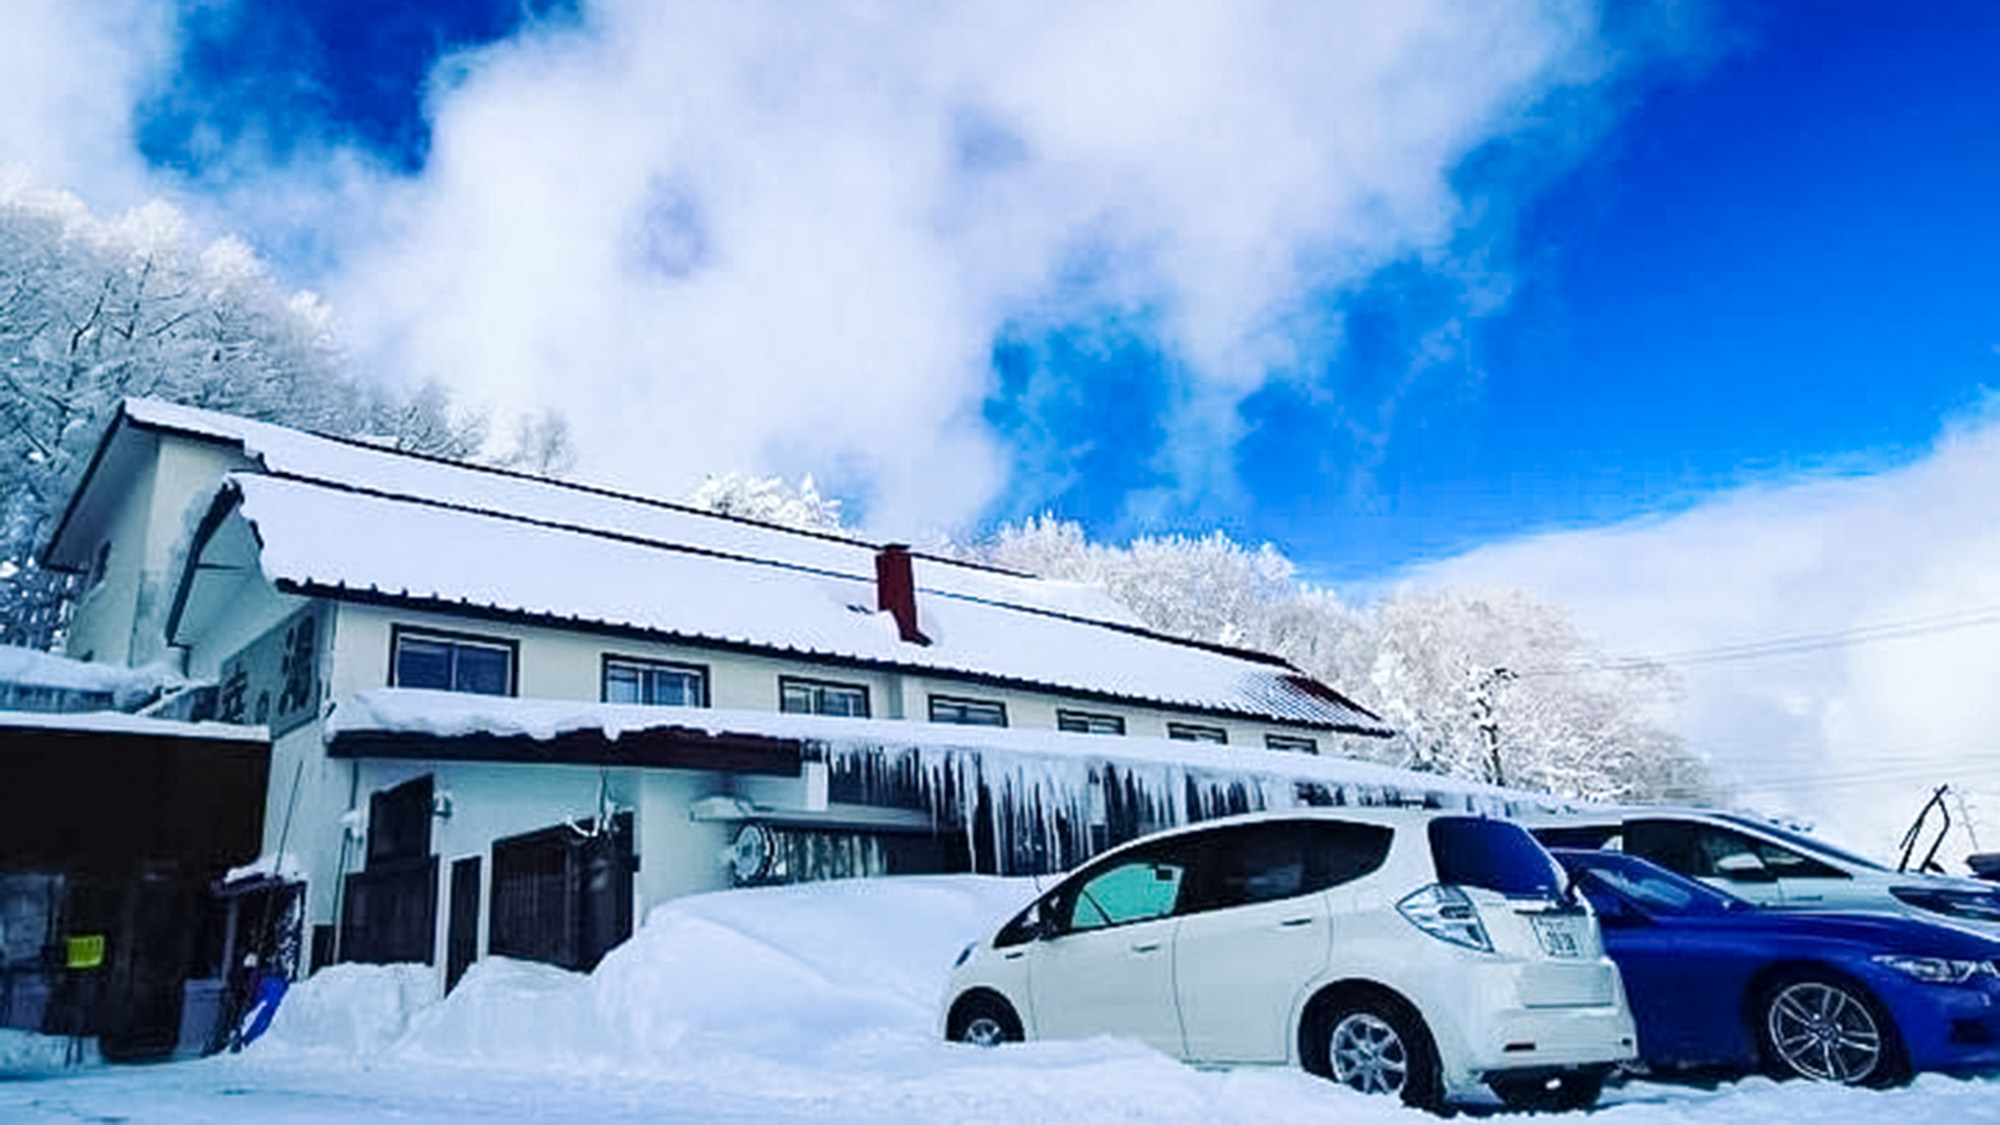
(1489, 727)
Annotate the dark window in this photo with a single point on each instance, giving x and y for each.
(654, 683)
(1699, 849)
(1577, 836)
(1086, 722)
(1291, 743)
(1195, 732)
(399, 822)
(1498, 855)
(561, 896)
(1264, 862)
(817, 697)
(448, 662)
(968, 712)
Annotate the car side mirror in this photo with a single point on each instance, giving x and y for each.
(1742, 867)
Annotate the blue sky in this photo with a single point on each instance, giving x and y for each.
(1760, 249)
(1678, 315)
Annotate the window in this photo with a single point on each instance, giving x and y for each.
(1195, 732)
(817, 697)
(1266, 862)
(1136, 890)
(1085, 722)
(452, 662)
(970, 712)
(654, 683)
(1291, 743)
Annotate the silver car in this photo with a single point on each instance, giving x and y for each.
(1423, 955)
(1772, 865)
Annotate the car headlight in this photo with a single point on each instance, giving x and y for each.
(1982, 906)
(1447, 914)
(1936, 970)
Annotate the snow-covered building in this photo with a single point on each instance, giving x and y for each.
(506, 713)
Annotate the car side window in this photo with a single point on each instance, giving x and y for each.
(1138, 890)
(1266, 862)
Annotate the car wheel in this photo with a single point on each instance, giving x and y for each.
(1377, 1046)
(1828, 1030)
(983, 1021)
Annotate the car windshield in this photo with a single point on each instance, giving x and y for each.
(1803, 842)
(1652, 888)
(1495, 854)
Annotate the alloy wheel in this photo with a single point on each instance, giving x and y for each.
(1823, 1031)
(1369, 1055)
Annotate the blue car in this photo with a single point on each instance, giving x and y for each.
(1717, 984)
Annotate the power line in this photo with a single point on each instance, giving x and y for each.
(1788, 646)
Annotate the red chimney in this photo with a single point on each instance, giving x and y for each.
(896, 590)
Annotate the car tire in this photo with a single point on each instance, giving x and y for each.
(983, 1020)
(1825, 1028)
(1377, 1045)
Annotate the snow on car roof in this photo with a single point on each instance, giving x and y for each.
(321, 538)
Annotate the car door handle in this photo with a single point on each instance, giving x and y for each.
(1296, 922)
(1148, 947)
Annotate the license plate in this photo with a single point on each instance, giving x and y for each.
(1558, 936)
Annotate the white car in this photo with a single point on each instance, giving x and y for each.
(1418, 954)
(1772, 865)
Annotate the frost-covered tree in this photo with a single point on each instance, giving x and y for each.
(95, 309)
(1458, 675)
(771, 500)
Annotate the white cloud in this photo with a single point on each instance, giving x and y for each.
(1850, 735)
(783, 237)
(70, 74)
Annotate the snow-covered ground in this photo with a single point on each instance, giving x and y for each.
(812, 1003)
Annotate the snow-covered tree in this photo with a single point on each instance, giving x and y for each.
(94, 309)
(1467, 680)
(771, 500)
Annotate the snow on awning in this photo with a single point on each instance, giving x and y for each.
(320, 539)
(1026, 800)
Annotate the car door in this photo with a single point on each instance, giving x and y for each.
(1256, 931)
(1106, 966)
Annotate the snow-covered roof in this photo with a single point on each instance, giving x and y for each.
(115, 722)
(357, 465)
(319, 538)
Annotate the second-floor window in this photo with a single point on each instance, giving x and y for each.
(970, 712)
(819, 697)
(655, 683)
(1196, 732)
(1293, 743)
(1089, 722)
(451, 662)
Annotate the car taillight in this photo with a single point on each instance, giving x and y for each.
(1447, 914)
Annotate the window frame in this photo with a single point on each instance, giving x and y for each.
(1065, 715)
(648, 664)
(398, 633)
(1198, 732)
(998, 707)
(784, 682)
(1291, 743)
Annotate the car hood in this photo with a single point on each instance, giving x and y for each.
(1872, 933)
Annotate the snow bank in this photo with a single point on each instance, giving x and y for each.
(24, 1054)
(356, 1010)
(792, 972)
